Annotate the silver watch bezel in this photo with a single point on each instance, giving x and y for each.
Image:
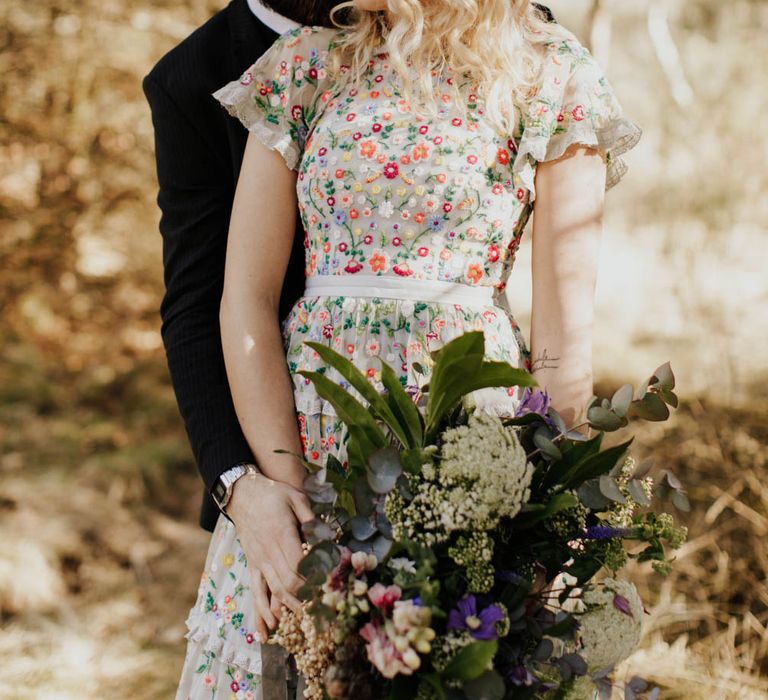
(228, 479)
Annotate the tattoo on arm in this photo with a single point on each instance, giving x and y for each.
(541, 361)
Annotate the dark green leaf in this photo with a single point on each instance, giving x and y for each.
(489, 686)
(349, 409)
(471, 661)
(402, 408)
(378, 404)
(595, 465)
(539, 512)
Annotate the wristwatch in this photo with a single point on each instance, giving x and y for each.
(222, 487)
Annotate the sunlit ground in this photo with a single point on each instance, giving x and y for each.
(97, 570)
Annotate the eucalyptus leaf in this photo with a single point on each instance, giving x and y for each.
(361, 527)
(318, 490)
(638, 493)
(591, 496)
(664, 376)
(681, 502)
(543, 651)
(651, 408)
(316, 531)
(317, 561)
(668, 397)
(642, 390)
(621, 399)
(576, 662)
(365, 499)
(384, 468)
(610, 489)
(381, 547)
(603, 418)
(546, 445)
(672, 480)
(643, 468)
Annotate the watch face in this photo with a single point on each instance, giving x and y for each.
(219, 491)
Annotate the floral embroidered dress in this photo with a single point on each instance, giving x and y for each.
(411, 228)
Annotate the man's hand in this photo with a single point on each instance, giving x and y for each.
(267, 515)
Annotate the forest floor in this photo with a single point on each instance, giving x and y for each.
(97, 574)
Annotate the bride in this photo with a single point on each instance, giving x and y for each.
(414, 143)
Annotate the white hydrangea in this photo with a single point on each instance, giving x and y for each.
(488, 472)
(609, 635)
(481, 476)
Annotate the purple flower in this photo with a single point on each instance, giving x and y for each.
(533, 401)
(622, 604)
(604, 532)
(480, 625)
(520, 675)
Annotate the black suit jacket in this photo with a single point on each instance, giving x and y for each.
(199, 150)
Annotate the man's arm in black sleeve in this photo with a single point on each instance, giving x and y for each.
(195, 199)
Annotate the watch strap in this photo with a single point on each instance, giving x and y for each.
(224, 484)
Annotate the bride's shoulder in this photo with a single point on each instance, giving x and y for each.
(308, 38)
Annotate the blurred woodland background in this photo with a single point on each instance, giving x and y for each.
(96, 576)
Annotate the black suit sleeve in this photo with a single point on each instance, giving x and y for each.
(195, 199)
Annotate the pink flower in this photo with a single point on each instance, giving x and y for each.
(384, 597)
(208, 681)
(382, 652)
(578, 113)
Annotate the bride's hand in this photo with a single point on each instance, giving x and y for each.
(267, 515)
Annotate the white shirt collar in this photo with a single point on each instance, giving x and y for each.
(274, 20)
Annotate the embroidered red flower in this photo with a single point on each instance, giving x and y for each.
(391, 170)
(578, 113)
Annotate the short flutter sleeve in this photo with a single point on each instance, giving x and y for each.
(574, 104)
(279, 96)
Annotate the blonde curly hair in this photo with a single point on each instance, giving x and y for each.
(495, 43)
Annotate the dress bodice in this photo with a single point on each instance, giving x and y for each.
(383, 192)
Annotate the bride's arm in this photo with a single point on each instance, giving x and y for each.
(567, 227)
(260, 238)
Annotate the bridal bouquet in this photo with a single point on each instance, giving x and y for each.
(457, 554)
